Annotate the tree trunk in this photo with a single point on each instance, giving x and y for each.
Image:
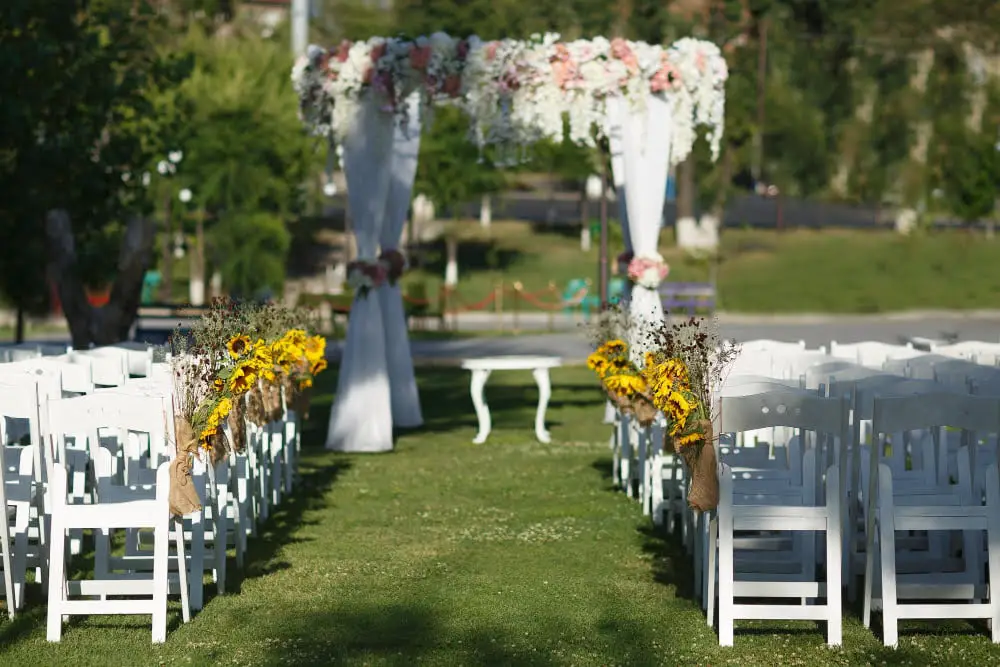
(451, 268)
(167, 254)
(111, 323)
(196, 281)
(685, 195)
(486, 211)
(215, 285)
(19, 327)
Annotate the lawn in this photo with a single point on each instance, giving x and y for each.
(760, 271)
(448, 553)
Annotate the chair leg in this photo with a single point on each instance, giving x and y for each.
(197, 571)
(161, 584)
(993, 545)
(8, 572)
(890, 622)
(221, 542)
(726, 581)
(56, 580)
(182, 570)
(713, 542)
(20, 557)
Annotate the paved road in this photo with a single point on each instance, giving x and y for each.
(573, 345)
(744, 210)
(570, 340)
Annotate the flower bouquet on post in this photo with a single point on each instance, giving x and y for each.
(623, 382)
(223, 336)
(687, 364)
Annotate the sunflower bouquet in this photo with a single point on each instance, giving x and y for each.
(686, 364)
(624, 383)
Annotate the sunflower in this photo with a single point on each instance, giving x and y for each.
(625, 385)
(238, 345)
(243, 378)
(314, 349)
(597, 363)
(613, 347)
(263, 361)
(218, 384)
(318, 367)
(221, 411)
(689, 439)
(618, 364)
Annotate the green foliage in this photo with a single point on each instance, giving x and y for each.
(971, 175)
(451, 170)
(76, 121)
(245, 154)
(250, 250)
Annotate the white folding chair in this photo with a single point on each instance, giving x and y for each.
(790, 508)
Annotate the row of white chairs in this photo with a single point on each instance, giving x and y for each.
(880, 457)
(88, 444)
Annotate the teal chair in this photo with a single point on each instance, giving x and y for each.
(572, 290)
(150, 283)
(616, 289)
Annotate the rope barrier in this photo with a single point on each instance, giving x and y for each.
(453, 303)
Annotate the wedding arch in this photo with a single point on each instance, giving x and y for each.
(373, 97)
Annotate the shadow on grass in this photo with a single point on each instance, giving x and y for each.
(398, 635)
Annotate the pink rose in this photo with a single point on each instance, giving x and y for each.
(452, 85)
(343, 51)
(623, 52)
(420, 57)
(491, 51)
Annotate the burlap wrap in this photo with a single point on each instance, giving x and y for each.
(271, 397)
(703, 491)
(297, 399)
(236, 421)
(183, 497)
(256, 413)
(639, 406)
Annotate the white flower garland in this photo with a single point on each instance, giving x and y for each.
(517, 92)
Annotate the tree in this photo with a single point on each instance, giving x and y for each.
(451, 171)
(245, 157)
(76, 132)
(971, 175)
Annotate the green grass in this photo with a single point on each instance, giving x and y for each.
(448, 553)
(760, 271)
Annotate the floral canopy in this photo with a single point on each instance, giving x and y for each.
(517, 92)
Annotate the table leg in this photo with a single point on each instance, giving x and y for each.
(544, 393)
(479, 378)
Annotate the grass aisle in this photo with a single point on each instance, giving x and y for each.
(446, 553)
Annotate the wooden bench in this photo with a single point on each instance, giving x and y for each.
(156, 322)
(689, 298)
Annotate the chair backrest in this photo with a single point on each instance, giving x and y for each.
(794, 408)
(894, 414)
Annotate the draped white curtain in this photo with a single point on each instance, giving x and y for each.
(614, 118)
(403, 169)
(646, 136)
(361, 418)
(614, 112)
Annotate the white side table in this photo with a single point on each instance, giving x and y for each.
(481, 369)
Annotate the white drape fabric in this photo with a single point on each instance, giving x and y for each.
(403, 169)
(646, 135)
(615, 130)
(614, 111)
(361, 418)
(614, 119)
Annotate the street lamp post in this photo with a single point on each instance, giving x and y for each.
(603, 261)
